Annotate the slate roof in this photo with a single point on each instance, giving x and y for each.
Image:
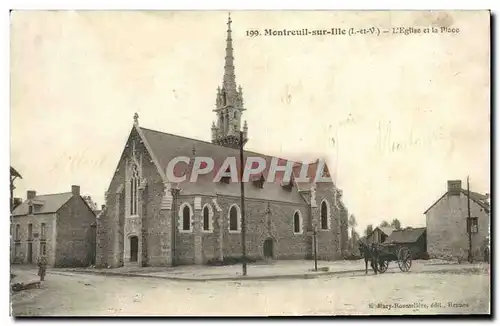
(476, 197)
(386, 230)
(166, 146)
(49, 204)
(408, 235)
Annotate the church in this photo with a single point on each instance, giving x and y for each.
(151, 220)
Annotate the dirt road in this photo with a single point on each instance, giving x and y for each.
(391, 293)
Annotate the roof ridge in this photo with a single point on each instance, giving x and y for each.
(189, 138)
(472, 191)
(220, 146)
(409, 228)
(54, 194)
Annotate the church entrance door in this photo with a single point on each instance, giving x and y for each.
(134, 248)
(268, 248)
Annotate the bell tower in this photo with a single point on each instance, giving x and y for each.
(229, 103)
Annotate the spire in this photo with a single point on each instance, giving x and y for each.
(229, 81)
(229, 102)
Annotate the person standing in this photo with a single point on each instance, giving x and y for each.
(42, 267)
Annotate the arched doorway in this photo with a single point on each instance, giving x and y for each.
(268, 248)
(134, 248)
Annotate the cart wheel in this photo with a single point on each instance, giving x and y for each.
(404, 259)
(382, 266)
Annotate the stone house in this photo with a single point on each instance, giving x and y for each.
(379, 234)
(447, 225)
(152, 220)
(412, 238)
(57, 226)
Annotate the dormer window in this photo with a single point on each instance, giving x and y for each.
(258, 181)
(226, 179)
(30, 209)
(288, 185)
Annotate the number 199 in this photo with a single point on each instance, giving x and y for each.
(252, 33)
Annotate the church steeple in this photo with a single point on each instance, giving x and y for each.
(229, 102)
(229, 80)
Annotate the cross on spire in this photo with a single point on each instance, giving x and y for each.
(229, 82)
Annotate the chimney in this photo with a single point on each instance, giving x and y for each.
(30, 194)
(454, 187)
(75, 190)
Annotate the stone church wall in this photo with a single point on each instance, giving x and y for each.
(328, 240)
(108, 252)
(265, 220)
(278, 225)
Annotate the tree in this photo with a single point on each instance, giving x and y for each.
(355, 239)
(396, 224)
(369, 229)
(90, 202)
(384, 224)
(352, 224)
(352, 221)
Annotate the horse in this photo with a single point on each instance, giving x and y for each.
(370, 253)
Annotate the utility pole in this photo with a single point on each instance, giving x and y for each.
(315, 251)
(175, 194)
(243, 224)
(469, 222)
(13, 175)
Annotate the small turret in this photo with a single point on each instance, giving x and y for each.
(214, 132)
(245, 131)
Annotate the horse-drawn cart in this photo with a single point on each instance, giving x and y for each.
(393, 252)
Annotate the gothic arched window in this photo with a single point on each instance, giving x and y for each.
(234, 218)
(221, 121)
(206, 219)
(297, 223)
(186, 218)
(224, 99)
(324, 215)
(134, 190)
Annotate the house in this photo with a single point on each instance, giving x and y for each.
(150, 219)
(447, 223)
(412, 238)
(57, 226)
(379, 234)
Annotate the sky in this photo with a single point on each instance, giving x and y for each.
(395, 115)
